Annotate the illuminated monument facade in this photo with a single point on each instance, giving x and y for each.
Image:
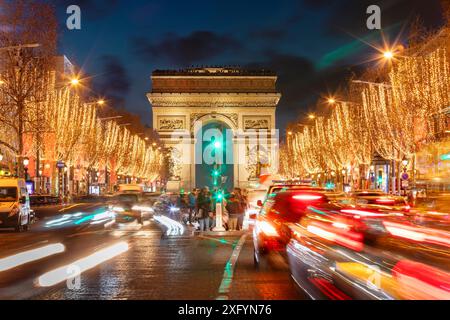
(240, 104)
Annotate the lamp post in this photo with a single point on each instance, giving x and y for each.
(344, 172)
(26, 162)
(404, 177)
(372, 177)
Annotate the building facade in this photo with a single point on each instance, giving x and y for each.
(228, 113)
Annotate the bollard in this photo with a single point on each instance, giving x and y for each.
(219, 223)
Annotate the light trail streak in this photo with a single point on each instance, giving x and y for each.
(61, 274)
(30, 255)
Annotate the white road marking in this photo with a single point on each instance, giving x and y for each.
(227, 279)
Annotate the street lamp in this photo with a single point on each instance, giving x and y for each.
(311, 116)
(110, 118)
(388, 55)
(331, 101)
(1, 157)
(75, 82)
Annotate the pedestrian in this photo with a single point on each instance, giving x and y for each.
(245, 206)
(242, 201)
(203, 209)
(212, 211)
(234, 208)
(192, 199)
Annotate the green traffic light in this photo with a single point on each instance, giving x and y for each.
(217, 145)
(216, 173)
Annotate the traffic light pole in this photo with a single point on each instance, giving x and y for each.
(219, 209)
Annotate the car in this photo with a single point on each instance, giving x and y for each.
(277, 188)
(15, 209)
(43, 200)
(128, 207)
(343, 253)
(379, 199)
(271, 230)
(149, 198)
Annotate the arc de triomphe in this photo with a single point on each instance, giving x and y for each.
(186, 103)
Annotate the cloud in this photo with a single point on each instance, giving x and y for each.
(199, 46)
(114, 82)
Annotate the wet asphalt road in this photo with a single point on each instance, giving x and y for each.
(186, 267)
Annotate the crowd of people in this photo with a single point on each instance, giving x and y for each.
(201, 207)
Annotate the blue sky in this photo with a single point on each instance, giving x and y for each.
(311, 44)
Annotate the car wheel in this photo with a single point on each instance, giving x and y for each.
(260, 260)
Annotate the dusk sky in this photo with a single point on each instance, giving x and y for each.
(311, 44)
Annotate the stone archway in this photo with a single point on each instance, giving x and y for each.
(244, 100)
(214, 153)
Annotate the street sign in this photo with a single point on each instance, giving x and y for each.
(405, 176)
(60, 164)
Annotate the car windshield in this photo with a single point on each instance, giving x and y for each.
(127, 198)
(370, 194)
(277, 189)
(8, 194)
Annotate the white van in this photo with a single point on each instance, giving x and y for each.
(14, 204)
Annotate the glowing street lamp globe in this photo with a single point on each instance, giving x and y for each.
(388, 55)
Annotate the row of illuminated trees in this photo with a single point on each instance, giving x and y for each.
(391, 111)
(43, 113)
(60, 127)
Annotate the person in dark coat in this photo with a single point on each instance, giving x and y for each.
(203, 209)
(234, 210)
